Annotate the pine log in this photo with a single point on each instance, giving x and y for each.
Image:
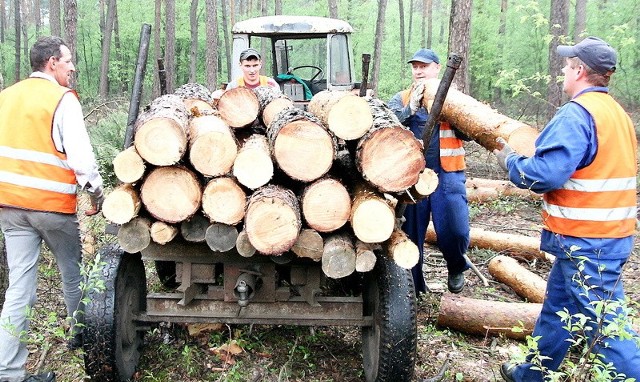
(224, 201)
(239, 107)
(253, 166)
(365, 257)
(402, 250)
(525, 283)
(196, 97)
(273, 220)
(389, 156)
(194, 229)
(244, 246)
(212, 145)
(309, 244)
(525, 247)
(345, 114)
(161, 132)
(484, 318)
(338, 256)
(481, 122)
(271, 103)
(122, 204)
(162, 233)
(326, 205)
(426, 185)
(481, 189)
(301, 145)
(372, 218)
(128, 165)
(171, 194)
(221, 237)
(134, 236)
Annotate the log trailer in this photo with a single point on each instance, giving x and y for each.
(306, 55)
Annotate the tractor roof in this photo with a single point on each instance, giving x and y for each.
(280, 24)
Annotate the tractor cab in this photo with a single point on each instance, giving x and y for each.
(304, 54)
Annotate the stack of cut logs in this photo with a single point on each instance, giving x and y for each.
(257, 174)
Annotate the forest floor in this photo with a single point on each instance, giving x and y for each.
(292, 353)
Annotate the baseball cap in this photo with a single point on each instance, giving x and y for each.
(594, 52)
(249, 53)
(425, 55)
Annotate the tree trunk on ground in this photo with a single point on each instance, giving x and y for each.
(488, 318)
(171, 194)
(326, 205)
(162, 233)
(402, 250)
(338, 256)
(344, 113)
(372, 218)
(309, 244)
(224, 201)
(525, 283)
(128, 165)
(135, 235)
(212, 145)
(253, 166)
(122, 204)
(239, 107)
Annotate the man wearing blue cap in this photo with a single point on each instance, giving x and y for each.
(585, 167)
(445, 155)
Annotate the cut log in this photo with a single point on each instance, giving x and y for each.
(273, 220)
(345, 114)
(122, 204)
(309, 244)
(135, 235)
(162, 233)
(485, 318)
(300, 145)
(128, 165)
(212, 145)
(481, 189)
(426, 185)
(338, 256)
(196, 97)
(253, 166)
(389, 156)
(224, 201)
(481, 122)
(244, 246)
(522, 246)
(372, 218)
(239, 107)
(326, 205)
(171, 194)
(271, 103)
(402, 250)
(221, 237)
(194, 229)
(524, 282)
(365, 257)
(161, 132)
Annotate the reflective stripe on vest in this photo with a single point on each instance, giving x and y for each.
(33, 174)
(599, 200)
(264, 81)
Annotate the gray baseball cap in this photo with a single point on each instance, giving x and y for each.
(594, 52)
(248, 53)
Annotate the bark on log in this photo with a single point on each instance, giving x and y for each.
(224, 201)
(326, 205)
(365, 257)
(244, 246)
(194, 229)
(345, 114)
(300, 145)
(389, 156)
(338, 256)
(239, 107)
(171, 194)
(221, 237)
(162, 233)
(135, 236)
(402, 250)
(161, 132)
(272, 220)
(525, 283)
(212, 145)
(253, 166)
(481, 122)
(271, 103)
(196, 97)
(372, 218)
(309, 244)
(122, 204)
(481, 189)
(128, 165)
(484, 318)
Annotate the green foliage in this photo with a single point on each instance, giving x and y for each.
(107, 137)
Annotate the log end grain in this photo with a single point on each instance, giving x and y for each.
(373, 221)
(239, 107)
(350, 117)
(161, 141)
(128, 165)
(224, 201)
(326, 205)
(171, 194)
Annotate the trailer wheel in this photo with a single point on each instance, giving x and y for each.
(4, 271)
(389, 346)
(112, 341)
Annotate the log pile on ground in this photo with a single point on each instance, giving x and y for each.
(259, 175)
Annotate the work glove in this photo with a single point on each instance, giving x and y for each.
(502, 153)
(417, 93)
(97, 198)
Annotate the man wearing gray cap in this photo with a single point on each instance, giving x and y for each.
(585, 167)
(251, 63)
(445, 155)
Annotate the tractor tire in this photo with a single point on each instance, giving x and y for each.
(112, 342)
(4, 271)
(389, 346)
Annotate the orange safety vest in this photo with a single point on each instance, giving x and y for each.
(599, 200)
(264, 81)
(33, 174)
(451, 147)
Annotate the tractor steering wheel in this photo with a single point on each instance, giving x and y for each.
(319, 74)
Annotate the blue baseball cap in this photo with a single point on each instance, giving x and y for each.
(594, 52)
(426, 56)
